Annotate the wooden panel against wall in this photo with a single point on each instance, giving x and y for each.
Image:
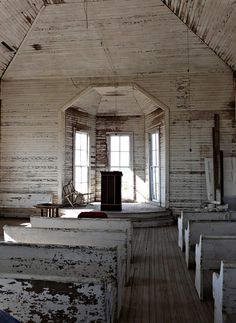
(190, 143)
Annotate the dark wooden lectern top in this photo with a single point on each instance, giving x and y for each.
(111, 191)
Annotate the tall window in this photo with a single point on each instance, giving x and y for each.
(120, 159)
(81, 162)
(155, 166)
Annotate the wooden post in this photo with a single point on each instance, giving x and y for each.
(217, 161)
(222, 176)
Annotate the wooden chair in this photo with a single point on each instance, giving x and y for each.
(74, 197)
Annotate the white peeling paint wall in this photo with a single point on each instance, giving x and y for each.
(32, 135)
(30, 147)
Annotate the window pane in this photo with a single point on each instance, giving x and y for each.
(77, 140)
(83, 188)
(83, 141)
(81, 162)
(77, 157)
(114, 159)
(124, 143)
(124, 159)
(78, 174)
(84, 175)
(114, 143)
(83, 158)
(153, 141)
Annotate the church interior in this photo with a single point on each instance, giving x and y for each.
(117, 161)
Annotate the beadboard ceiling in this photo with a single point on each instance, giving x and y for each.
(214, 21)
(85, 38)
(116, 101)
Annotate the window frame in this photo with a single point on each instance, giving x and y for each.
(75, 131)
(108, 135)
(131, 157)
(151, 166)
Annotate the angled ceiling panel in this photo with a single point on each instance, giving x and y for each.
(214, 21)
(16, 18)
(75, 38)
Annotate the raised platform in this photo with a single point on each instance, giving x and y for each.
(141, 214)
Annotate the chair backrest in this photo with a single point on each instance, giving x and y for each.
(68, 188)
(73, 196)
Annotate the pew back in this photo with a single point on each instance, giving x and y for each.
(224, 293)
(64, 261)
(84, 224)
(33, 298)
(196, 228)
(208, 255)
(22, 204)
(72, 237)
(186, 216)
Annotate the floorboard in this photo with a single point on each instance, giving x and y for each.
(161, 289)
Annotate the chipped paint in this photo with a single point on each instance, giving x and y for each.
(55, 299)
(65, 261)
(37, 46)
(73, 237)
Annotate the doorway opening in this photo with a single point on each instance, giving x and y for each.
(154, 149)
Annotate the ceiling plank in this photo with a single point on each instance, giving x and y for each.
(213, 21)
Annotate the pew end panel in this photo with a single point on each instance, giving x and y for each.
(198, 274)
(224, 293)
(180, 232)
(187, 245)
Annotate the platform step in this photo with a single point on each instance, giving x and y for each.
(145, 219)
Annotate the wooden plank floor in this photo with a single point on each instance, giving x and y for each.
(161, 289)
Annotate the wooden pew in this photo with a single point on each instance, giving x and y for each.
(186, 216)
(224, 293)
(91, 224)
(208, 255)
(196, 228)
(22, 204)
(65, 261)
(35, 298)
(73, 237)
